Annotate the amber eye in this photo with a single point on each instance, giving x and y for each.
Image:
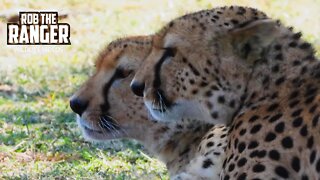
(121, 73)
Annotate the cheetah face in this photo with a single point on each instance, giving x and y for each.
(200, 70)
(165, 95)
(106, 107)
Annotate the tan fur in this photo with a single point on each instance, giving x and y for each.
(255, 79)
(176, 144)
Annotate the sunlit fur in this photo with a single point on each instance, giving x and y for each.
(177, 144)
(236, 66)
(195, 77)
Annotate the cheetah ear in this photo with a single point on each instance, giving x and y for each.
(250, 40)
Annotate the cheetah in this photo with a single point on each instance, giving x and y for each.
(107, 109)
(236, 66)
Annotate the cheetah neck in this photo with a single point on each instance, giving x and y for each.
(289, 64)
(174, 144)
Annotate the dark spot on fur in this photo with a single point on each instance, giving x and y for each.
(296, 63)
(255, 128)
(277, 47)
(293, 44)
(221, 99)
(279, 128)
(242, 162)
(241, 147)
(214, 115)
(242, 176)
(207, 163)
(293, 103)
(258, 168)
(254, 118)
(315, 120)
(275, 117)
(274, 155)
(280, 81)
(304, 131)
(282, 172)
(279, 57)
(287, 142)
(310, 142)
(275, 68)
(295, 164)
(234, 21)
(210, 144)
(231, 167)
(297, 122)
(270, 137)
(312, 156)
(253, 144)
(273, 107)
(232, 103)
(305, 46)
(297, 36)
(296, 112)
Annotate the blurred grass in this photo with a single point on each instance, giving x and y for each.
(38, 135)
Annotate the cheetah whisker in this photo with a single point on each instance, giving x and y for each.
(162, 105)
(115, 123)
(111, 124)
(103, 125)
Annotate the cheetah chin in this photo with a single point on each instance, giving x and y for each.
(189, 110)
(89, 132)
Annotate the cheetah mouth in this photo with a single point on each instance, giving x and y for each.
(95, 134)
(105, 125)
(91, 130)
(103, 129)
(162, 108)
(161, 102)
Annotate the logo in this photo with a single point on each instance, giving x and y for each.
(38, 28)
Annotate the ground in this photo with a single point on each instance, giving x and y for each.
(39, 137)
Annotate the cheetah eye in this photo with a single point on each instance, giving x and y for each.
(121, 73)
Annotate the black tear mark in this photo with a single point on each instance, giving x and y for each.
(169, 52)
(118, 74)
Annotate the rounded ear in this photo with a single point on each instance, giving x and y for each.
(249, 40)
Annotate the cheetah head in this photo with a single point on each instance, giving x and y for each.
(200, 63)
(106, 107)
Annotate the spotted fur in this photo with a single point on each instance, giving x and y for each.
(234, 65)
(112, 111)
(208, 161)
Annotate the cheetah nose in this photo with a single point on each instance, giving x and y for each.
(137, 88)
(78, 106)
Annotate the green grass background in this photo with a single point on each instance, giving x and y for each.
(39, 138)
